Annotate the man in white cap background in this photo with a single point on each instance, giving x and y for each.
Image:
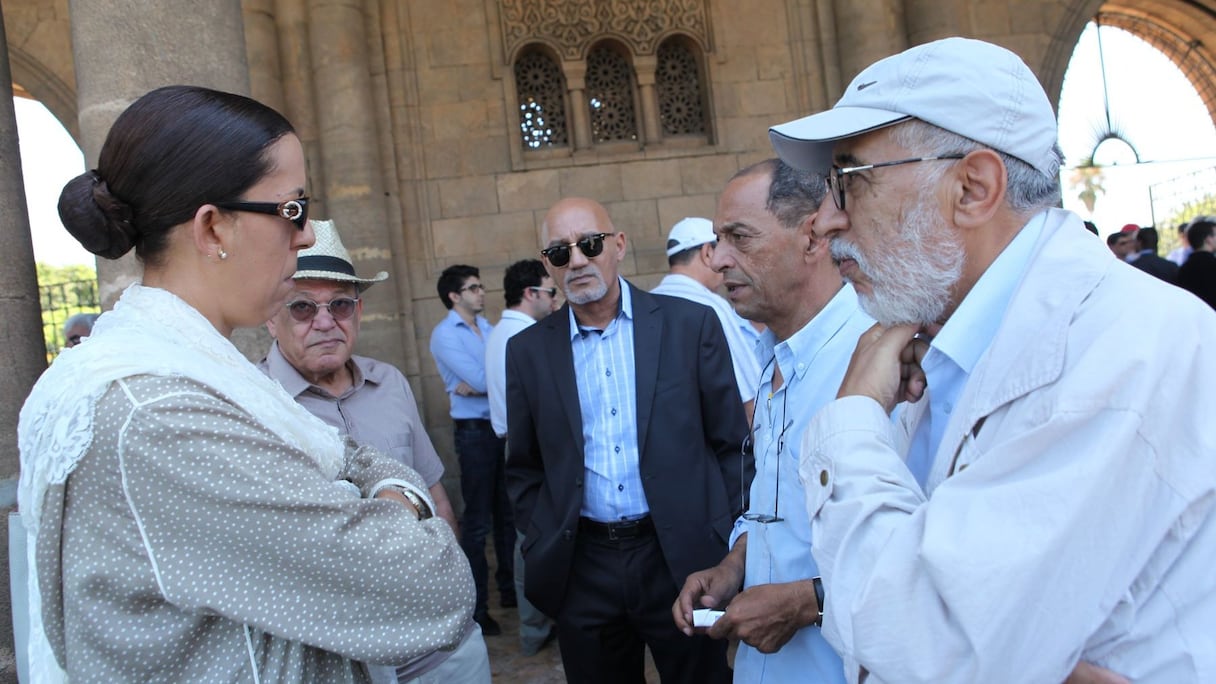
(1036, 508)
(313, 359)
(690, 247)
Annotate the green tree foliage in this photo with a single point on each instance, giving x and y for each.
(63, 292)
(1168, 228)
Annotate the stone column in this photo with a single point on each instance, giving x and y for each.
(576, 84)
(262, 53)
(645, 66)
(351, 150)
(929, 20)
(124, 49)
(22, 350)
(867, 31)
(295, 67)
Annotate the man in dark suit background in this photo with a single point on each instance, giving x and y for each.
(1149, 262)
(624, 460)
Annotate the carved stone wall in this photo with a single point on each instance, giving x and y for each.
(571, 26)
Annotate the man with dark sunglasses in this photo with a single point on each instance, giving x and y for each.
(368, 400)
(624, 425)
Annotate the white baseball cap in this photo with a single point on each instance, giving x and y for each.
(975, 89)
(688, 233)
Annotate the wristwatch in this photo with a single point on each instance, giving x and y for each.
(817, 582)
(424, 511)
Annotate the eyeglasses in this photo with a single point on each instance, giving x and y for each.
(837, 178)
(551, 291)
(474, 288)
(591, 247)
(749, 450)
(304, 310)
(294, 210)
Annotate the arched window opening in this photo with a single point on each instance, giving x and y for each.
(541, 88)
(681, 97)
(610, 94)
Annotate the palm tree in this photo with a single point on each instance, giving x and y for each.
(1086, 178)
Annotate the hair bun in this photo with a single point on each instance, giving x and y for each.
(100, 221)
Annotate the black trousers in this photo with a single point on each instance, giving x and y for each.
(618, 601)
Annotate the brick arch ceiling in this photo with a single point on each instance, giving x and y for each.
(1186, 37)
(1183, 30)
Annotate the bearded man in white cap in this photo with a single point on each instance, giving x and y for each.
(368, 400)
(690, 247)
(1037, 508)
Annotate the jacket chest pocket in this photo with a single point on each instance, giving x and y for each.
(968, 451)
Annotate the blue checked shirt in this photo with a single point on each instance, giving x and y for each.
(460, 355)
(607, 397)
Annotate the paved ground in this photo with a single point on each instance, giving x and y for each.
(506, 663)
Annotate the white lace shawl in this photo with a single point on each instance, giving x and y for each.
(149, 332)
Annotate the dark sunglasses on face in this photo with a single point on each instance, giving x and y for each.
(591, 247)
(304, 310)
(294, 210)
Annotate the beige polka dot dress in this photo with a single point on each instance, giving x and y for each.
(192, 545)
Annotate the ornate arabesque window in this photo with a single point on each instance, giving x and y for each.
(632, 75)
(678, 83)
(541, 89)
(610, 96)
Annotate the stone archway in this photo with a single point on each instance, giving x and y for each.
(45, 86)
(1181, 30)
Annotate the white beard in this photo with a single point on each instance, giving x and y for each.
(586, 296)
(910, 279)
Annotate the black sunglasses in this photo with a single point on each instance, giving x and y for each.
(304, 310)
(294, 210)
(591, 247)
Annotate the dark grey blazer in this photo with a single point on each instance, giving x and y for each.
(690, 431)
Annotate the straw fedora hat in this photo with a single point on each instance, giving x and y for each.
(328, 259)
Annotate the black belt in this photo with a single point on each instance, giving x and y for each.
(462, 423)
(626, 529)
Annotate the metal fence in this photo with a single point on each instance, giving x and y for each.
(1183, 196)
(61, 301)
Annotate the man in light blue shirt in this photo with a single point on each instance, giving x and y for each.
(458, 345)
(778, 274)
(690, 247)
(530, 296)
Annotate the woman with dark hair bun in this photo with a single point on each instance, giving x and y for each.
(188, 520)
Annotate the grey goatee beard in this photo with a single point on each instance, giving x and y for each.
(910, 279)
(586, 296)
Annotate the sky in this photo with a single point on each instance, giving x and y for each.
(49, 159)
(1156, 109)
(1151, 102)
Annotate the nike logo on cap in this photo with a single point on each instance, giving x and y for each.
(863, 86)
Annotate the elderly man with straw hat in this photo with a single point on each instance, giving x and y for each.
(371, 401)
